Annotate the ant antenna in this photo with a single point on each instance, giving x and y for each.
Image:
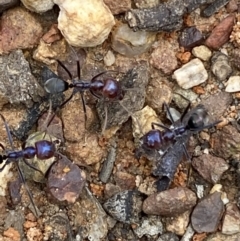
(18, 167)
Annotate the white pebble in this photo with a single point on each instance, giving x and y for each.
(84, 23)
(233, 84)
(191, 74)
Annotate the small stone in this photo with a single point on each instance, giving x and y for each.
(168, 237)
(109, 58)
(226, 143)
(210, 167)
(34, 234)
(190, 37)
(207, 214)
(170, 203)
(157, 94)
(202, 52)
(79, 22)
(217, 104)
(220, 66)
(218, 236)
(52, 35)
(118, 6)
(47, 53)
(142, 120)
(233, 84)
(65, 180)
(231, 220)
(12, 233)
(129, 43)
(124, 206)
(146, 3)
(191, 74)
(6, 4)
(232, 6)
(164, 58)
(221, 33)
(38, 6)
(125, 180)
(149, 226)
(178, 225)
(17, 82)
(13, 23)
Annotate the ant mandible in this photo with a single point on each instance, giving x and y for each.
(108, 89)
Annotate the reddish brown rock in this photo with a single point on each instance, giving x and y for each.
(207, 214)
(210, 167)
(14, 34)
(118, 6)
(125, 180)
(221, 33)
(170, 203)
(164, 59)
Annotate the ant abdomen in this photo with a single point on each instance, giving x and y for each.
(45, 149)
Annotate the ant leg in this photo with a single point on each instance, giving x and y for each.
(94, 78)
(186, 152)
(185, 112)
(105, 120)
(168, 112)
(66, 69)
(31, 166)
(28, 191)
(8, 161)
(160, 125)
(2, 146)
(84, 107)
(8, 131)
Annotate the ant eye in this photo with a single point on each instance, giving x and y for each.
(195, 121)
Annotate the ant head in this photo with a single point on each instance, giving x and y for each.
(197, 119)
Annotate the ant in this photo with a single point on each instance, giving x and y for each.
(108, 89)
(169, 145)
(42, 149)
(161, 140)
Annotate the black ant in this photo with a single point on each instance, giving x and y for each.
(170, 144)
(43, 149)
(108, 89)
(160, 140)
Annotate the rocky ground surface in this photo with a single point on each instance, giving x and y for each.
(102, 183)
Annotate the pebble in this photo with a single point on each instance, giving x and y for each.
(157, 93)
(222, 237)
(146, 4)
(210, 167)
(38, 6)
(13, 23)
(79, 22)
(207, 214)
(233, 84)
(168, 237)
(221, 33)
(170, 203)
(225, 143)
(178, 225)
(6, 4)
(164, 58)
(124, 206)
(217, 104)
(65, 180)
(202, 52)
(13, 234)
(190, 37)
(142, 120)
(129, 43)
(220, 66)
(231, 220)
(18, 84)
(191, 74)
(109, 58)
(118, 6)
(149, 226)
(90, 218)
